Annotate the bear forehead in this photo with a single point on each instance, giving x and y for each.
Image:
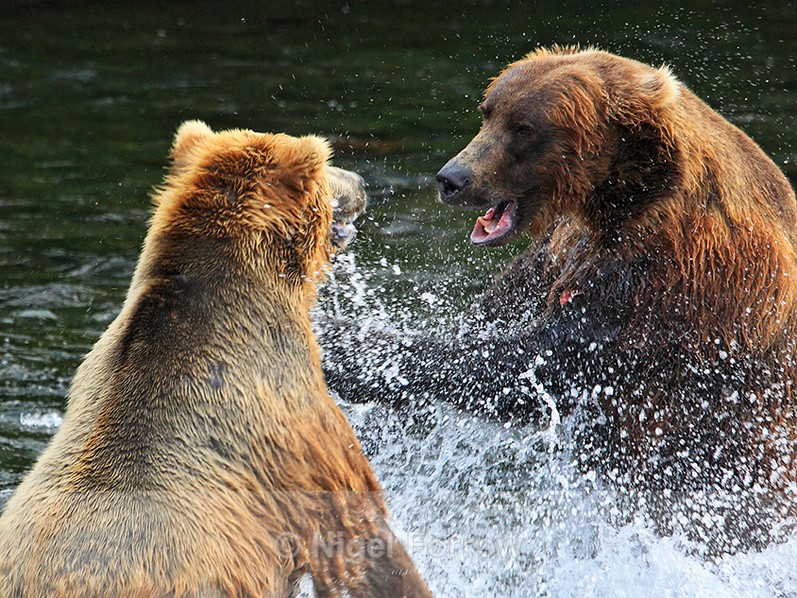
(547, 77)
(528, 84)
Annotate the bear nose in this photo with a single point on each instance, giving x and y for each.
(451, 179)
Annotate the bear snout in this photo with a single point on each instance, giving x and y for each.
(451, 179)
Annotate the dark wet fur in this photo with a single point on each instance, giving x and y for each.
(674, 361)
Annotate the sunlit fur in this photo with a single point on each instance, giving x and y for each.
(200, 453)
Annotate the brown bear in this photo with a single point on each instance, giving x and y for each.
(201, 454)
(657, 302)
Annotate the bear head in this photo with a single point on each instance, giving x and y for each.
(264, 201)
(565, 132)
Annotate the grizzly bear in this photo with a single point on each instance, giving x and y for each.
(657, 303)
(200, 453)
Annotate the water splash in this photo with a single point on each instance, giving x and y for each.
(489, 510)
(41, 420)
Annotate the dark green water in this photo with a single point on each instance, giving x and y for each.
(90, 95)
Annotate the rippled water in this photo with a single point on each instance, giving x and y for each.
(89, 98)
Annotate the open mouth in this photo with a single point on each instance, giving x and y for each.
(496, 224)
(342, 233)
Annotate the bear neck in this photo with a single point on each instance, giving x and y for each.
(235, 295)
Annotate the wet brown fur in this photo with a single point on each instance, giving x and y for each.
(703, 194)
(679, 235)
(201, 454)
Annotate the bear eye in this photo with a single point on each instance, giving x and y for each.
(522, 129)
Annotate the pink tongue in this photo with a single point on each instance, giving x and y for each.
(487, 229)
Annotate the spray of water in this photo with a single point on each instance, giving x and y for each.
(488, 509)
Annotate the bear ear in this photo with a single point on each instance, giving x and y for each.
(188, 136)
(660, 86)
(642, 96)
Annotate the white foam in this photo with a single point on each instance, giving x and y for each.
(483, 513)
(486, 510)
(49, 420)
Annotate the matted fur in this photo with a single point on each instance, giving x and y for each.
(665, 269)
(201, 454)
(657, 303)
